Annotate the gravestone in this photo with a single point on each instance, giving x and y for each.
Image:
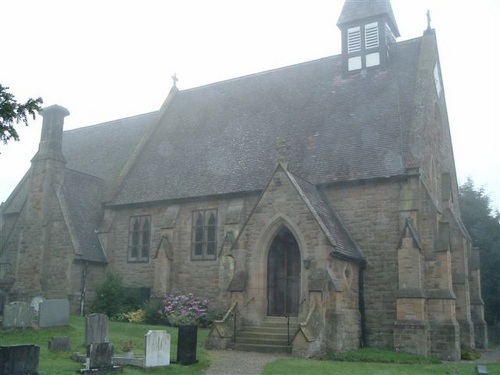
(100, 355)
(53, 313)
(96, 329)
(19, 359)
(186, 344)
(35, 303)
(157, 348)
(60, 344)
(481, 370)
(18, 315)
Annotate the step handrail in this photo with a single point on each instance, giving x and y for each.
(234, 316)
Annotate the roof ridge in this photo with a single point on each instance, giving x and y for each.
(110, 122)
(256, 74)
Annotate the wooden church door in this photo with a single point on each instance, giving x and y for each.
(283, 275)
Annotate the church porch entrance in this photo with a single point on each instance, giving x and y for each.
(283, 275)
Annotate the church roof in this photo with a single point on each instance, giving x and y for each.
(221, 138)
(327, 217)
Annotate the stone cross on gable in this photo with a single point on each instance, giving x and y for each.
(175, 79)
(428, 19)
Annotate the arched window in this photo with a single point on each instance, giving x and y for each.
(139, 239)
(204, 235)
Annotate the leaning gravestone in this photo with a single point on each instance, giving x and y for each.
(96, 329)
(53, 313)
(157, 348)
(19, 359)
(18, 315)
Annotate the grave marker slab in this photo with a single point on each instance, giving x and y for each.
(53, 313)
(100, 355)
(60, 344)
(19, 359)
(157, 348)
(96, 329)
(18, 315)
(186, 344)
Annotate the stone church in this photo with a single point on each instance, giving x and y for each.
(323, 194)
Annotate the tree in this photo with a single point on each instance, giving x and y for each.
(12, 113)
(483, 226)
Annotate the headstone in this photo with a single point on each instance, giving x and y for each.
(157, 348)
(53, 313)
(35, 303)
(96, 329)
(100, 355)
(481, 370)
(18, 315)
(19, 359)
(60, 344)
(186, 344)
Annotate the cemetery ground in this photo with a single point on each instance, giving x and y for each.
(122, 335)
(367, 361)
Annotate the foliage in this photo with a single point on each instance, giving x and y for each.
(179, 309)
(138, 316)
(483, 226)
(127, 346)
(115, 300)
(382, 356)
(468, 355)
(110, 296)
(119, 334)
(12, 113)
(152, 311)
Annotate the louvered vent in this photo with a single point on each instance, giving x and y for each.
(353, 39)
(371, 35)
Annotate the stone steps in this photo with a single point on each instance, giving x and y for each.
(271, 336)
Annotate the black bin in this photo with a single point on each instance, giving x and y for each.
(186, 344)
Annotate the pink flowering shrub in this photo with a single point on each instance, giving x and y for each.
(179, 309)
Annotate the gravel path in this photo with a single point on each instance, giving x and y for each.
(231, 362)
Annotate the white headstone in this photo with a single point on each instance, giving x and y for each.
(35, 303)
(157, 349)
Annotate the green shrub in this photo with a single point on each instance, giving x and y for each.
(115, 300)
(110, 296)
(152, 311)
(469, 355)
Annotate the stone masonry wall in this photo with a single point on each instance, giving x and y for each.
(370, 214)
(200, 277)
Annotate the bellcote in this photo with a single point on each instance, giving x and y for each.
(368, 31)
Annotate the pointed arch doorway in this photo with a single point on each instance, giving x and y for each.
(283, 275)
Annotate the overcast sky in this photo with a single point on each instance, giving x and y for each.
(105, 60)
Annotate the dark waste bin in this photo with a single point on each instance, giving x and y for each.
(186, 344)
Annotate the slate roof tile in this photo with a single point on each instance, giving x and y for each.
(221, 138)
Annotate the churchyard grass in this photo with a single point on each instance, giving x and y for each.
(373, 362)
(120, 334)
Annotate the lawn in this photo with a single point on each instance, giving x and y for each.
(119, 333)
(61, 364)
(399, 364)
